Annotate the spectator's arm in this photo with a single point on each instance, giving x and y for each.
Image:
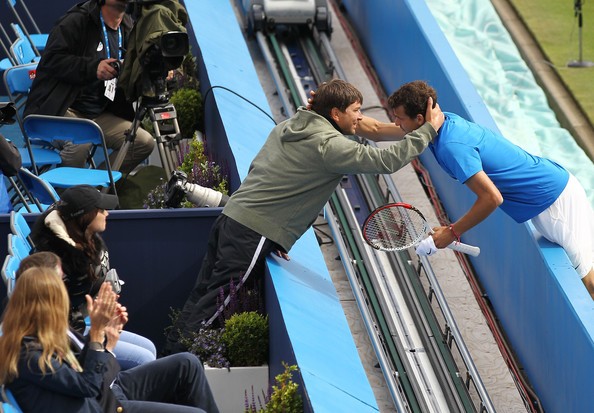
(10, 157)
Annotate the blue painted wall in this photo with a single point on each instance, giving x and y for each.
(542, 305)
(306, 315)
(157, 253)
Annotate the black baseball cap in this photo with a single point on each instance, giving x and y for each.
(80, 199)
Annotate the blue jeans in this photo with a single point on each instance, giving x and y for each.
(133, 350)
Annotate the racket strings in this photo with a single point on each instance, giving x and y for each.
(394, 228)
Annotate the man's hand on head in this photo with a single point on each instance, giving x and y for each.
(312, 94)
(434, 115)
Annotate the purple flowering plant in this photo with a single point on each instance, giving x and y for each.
(200, 169)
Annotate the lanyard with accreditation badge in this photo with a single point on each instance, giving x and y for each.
(110, 85)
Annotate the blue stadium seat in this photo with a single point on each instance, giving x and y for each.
(22, 51)
(17, 81)
(36, 194)
(10, 404)
(5, 43)
(18, 246)
(37, 40)
(9, 268)
(77, 131)
(9, 408)
(36, 37)
(20, 227)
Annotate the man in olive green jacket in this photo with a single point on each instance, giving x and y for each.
(289, 181)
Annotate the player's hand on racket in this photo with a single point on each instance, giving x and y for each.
(398, 226)
(426, 247)
(443, 236)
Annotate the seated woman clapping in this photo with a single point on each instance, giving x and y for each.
(39, 366)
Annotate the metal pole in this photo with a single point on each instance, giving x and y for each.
(578, 13)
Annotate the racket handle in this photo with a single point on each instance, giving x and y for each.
(465, 248)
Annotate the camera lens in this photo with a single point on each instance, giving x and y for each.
(174, 44)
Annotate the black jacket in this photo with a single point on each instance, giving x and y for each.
(65, 390)
(75, 264)
(70, 61)
(106, 398)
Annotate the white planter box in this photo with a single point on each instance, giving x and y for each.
(229, 386)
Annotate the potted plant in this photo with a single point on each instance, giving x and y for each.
(245, 337)
(244, 346)
(284, 397)
(234, 350)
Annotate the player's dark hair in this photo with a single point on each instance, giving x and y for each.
(413, 97)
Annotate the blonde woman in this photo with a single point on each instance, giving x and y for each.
(38, 365)
(50, 369)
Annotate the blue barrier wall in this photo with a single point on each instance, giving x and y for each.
(157, 253)
(542, 305)
(306, 315)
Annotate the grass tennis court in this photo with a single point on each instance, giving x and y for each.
(555, 27)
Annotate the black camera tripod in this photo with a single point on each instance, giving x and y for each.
(166, 132)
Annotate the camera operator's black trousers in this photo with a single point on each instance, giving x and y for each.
(235, 253)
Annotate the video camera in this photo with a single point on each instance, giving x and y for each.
(168, 54)
(165, 54)
(7, 113)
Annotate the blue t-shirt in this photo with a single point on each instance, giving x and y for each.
(529, 184)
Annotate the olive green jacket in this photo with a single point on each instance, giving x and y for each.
(298, 168)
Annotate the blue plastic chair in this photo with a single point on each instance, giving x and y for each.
(23, 52)
(9, 408)
(9, 269)
(37, 38)
(5, 63)
(19, 226)
(10, 404)
(5, 42)
(8, 61)
(77, 131)
(36, 194)
(17, 81)
(18, 246)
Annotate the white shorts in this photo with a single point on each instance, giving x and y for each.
(569, 222)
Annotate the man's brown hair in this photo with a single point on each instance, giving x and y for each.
(413, 97)
(336, 93)
(41, 259)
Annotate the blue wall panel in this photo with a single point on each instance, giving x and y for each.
(307, 319)
(157, 253)
(542, 305)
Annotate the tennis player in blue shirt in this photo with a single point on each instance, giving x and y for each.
(501, 174)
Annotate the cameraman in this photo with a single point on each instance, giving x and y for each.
(77, 76)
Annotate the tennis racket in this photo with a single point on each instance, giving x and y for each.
(398, 226)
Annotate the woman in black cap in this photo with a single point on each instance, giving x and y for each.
(71, 229)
